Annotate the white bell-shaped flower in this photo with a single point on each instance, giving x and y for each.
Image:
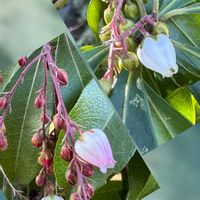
(93, 147)
(158, 54)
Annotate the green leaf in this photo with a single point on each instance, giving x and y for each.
(195, 89)
(192, 9)
(94, 14)
(169, 5)
(19, 161)
(95, 56)
(93, 110)
(148, 117)
(181, 100)
(138, 174)
(150, 186)
(68, 57)
(109, 192)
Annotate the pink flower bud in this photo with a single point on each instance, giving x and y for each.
(66, 153)
(93, 147)
(3, 142)
(45, 159)
(22, 61)
(89, 191)
(71, 176)
(37, 140)
(49, 188)
(44, 119)
(58, 121)
(3, 102)
(39, 101)
(62, 76)
(40, 179)
(75, 196)
(87, 169)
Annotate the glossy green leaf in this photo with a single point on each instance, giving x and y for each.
(169, 5)
(150, 186)
(148, 117)
(94, 14)
(181, 100)
(195, 89)
(138, 174)
(192, 9)
(68, 57)
(95, 56)
(93, 110)
(19, 161)
(109, 192)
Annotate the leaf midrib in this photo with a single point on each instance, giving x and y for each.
(24, 117)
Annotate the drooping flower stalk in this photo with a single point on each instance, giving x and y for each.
(79, 166)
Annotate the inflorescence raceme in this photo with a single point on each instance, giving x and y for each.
(80, 154)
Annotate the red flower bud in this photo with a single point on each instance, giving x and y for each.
(75, 196)
(62, 77)
(22, 61)
(3, 102)
(87, 169)
(39, 101)
(1, 78)
(71, 176)
(41, 178)
(37, 140)
(3, 142)
(44, 119)
(45, 159)
(58, 121)
(66, 153)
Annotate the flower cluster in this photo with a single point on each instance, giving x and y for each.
(91, 149)
(156, 52)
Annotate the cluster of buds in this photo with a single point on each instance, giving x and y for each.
(91, 149)
(153, 48)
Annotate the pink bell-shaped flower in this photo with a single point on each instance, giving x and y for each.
(93, 147)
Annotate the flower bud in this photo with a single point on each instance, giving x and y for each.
(3, 102)
(62, 77)
(131, 10)
(44, 118)
(131, 45)
(3, 128)
(49, 188)
(45, 159)
(41, 178)
(1, 78)
(130, 63)
(22, 61)
(127, 25)
(75, 196)
(87, 169)
(161, 27)
(92, 143)
(108, 14)
(3, 142)
(158, 55)
(37, 140)
(39, 101)
(66, 153)
(71, 176)
(89, 190)
(59, 121)
(105, 33)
